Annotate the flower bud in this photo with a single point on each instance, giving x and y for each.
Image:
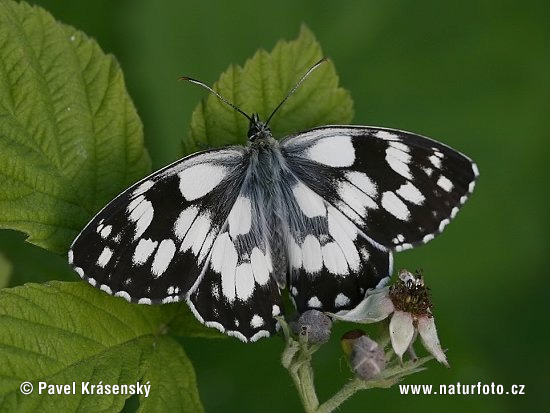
(348, 340)
(315, 325)
(367, 358)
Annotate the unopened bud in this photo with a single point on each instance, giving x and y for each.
(315, 325)
(367, 358)
(348, 340)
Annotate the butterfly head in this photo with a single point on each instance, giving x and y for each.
(258, 129)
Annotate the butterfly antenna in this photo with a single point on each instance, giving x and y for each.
(220, 97)
(311, 69)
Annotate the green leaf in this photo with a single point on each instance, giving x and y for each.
(63, 332)
(261, 85)
(31, 263)
(70, 138)
(175, 389)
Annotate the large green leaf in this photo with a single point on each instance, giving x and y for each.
(175, 389)
(63, 332)
(261, 85)
(70, 138)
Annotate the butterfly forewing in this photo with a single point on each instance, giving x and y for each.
(150, 243)
(399, 188)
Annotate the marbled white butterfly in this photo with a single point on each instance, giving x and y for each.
(319, 212)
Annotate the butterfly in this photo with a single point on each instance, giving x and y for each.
(319, 213)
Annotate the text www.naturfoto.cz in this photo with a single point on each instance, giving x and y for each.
(460, 388)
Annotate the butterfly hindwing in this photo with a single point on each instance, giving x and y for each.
(399, 188)
(331, 263)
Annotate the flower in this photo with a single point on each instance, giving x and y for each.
(408, 301)
(367, 358)
(314, 325)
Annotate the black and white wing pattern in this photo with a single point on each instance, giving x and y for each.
(331, 263)
(361, 193)
(398, 188)
(184, 233)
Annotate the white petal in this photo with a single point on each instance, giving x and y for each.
(375, 307)
(401, 332)
(428, 334)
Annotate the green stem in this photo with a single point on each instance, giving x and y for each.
(307, 387)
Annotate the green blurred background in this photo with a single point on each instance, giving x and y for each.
(474, 75)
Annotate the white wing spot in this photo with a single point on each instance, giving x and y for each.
(437, 153)
(443, 224)
(355, 198)
(216, 292)
(144, 187)
(334, 259)
(385, 135)
(314, 302)
(275, 311)
(335, 151)
(294, 291)
(410, 193)
(363, 182)
(240, 217)
(395, 206)
(309, 202)
(124, 295)
(244, 281)
(224, 261)
(207, 244)
(256, 321)
(475, 169)
(106, 231)
(259, 266)
(70, 255)
(163, 257)
(311, 254)
(444, 183)
(400, 146)
(141, 212)
(428, 238)
(365, 254)
(454, 211)
(143, 251)
(106, 288)
(398, 161)
(260, 334)
(435, 161)
(184, 221)
(341, 300)
(197, 233)
(104, 257)
(403, 247)
(198, 180)
(428, 171)
(344, 233)
(295, 254)
(144, 301)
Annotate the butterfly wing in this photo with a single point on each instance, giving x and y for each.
(171, 237)
(358, 194)
(400, 189)
(331, 263)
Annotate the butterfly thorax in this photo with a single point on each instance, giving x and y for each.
(264, 186)
(258, 131)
